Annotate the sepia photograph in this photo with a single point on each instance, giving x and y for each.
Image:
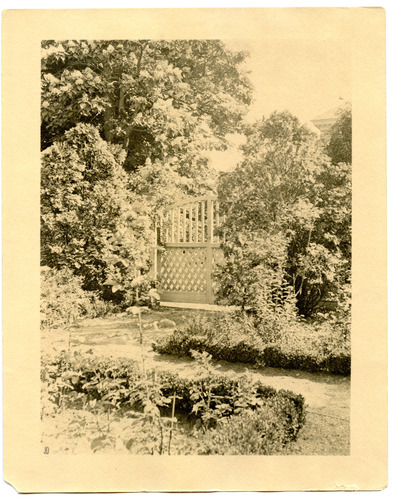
(195, 247)
(194, 273)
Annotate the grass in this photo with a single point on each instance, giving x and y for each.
(322, 435)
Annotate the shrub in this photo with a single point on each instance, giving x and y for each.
(63, 301)
(300, 347)
(82, 380)
(286, 218)
(90, 222)
(257, 432)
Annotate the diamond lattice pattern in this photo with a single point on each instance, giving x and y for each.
(183, 270)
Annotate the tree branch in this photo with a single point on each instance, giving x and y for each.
(139, 63)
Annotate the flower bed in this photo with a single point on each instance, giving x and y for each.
(158, 404)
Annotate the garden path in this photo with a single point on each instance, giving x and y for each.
(327, 396)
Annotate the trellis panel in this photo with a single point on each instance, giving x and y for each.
(190, 250)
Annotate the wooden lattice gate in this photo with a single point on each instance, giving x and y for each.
(188, 250)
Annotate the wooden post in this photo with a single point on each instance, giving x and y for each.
(190, 230)
(155, 249)
(196, 222)
(184, 224)
(203, 221)
(172, 227)
(178, 225)
(209, 254)
(217, 218)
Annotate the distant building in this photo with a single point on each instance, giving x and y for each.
(325, 121)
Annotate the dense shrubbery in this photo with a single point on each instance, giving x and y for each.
(286, 221)
(84, 382)
(300, 347)
(90, 222)
(63, 301)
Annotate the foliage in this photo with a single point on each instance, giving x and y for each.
(258, 432)
(90, 222)
(150, 108)
(330, 247)
(224, 336)
(164, 102)
(118, 389)
(340, 145)
(62, 300)
(321, 348)
(287, 216)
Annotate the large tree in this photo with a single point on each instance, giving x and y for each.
(339, 147)
(286, 218)
(126, 122)
(166, 101)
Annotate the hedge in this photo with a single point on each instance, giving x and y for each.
(255, 351)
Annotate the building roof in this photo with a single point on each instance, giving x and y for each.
(332, 114)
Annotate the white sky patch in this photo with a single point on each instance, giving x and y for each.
(306, 76)
(224, 161)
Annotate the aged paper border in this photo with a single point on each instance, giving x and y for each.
(25, 465)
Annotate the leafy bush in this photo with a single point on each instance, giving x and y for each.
(257, 432)
(90, 222)
(63, 301)
(86, 382)
(300, 346)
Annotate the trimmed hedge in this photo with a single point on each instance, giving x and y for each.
(250, 433)
(255, 351)
(238, 394)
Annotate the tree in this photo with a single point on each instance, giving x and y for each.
(286, 219)
(125, 128)
(340, 144)
(90, 222)
(166, 101)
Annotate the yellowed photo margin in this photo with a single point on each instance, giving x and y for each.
(25, 465)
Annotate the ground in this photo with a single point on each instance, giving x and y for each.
(326, 431)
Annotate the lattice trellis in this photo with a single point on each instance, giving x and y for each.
(183, 270)
(187, 232)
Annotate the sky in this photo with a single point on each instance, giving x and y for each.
(306, 76)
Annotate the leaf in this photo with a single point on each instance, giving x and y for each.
(129, 443)
(110, 281)
(154, 294)
(138, 281)
(70, 374)
(133, 414)
(99, 443)
(134, 310)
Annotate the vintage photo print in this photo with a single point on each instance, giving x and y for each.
(191, 218)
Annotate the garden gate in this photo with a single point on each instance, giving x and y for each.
(188, 250)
